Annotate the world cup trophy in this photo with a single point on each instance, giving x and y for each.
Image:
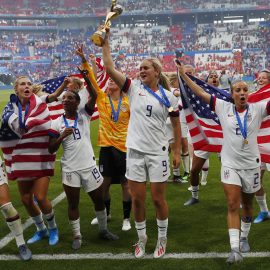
(98, 37)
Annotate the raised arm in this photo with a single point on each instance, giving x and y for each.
(115, 75)
(93, 64)
(86, 66)
(91, 90)
(197, 90)
(53, 97)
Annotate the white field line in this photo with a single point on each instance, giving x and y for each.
(128, 256)
(9, 237)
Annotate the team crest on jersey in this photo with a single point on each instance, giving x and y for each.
(123, 108)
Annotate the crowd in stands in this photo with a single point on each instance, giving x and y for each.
(241, 48)
(30, 7)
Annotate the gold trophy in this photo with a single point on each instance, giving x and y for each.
(98, 37)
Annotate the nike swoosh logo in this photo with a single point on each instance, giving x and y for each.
(142, 95)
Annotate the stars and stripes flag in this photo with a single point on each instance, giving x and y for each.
(26, 153)
(56, 108)
(204, 126)
(264, 133)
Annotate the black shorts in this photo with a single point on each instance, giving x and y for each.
(112, 163)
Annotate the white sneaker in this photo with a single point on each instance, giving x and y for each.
(140, 248)
(160, 247)
(126, 225)
(95, 221)
(203, 182)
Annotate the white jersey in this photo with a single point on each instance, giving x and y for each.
(147, 124)
(78, 151)
(235, 154)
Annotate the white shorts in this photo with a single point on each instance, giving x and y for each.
(202, 154)
(184, 129)
(265, 166)
(3, 176)
(141, 166)
(249, 180)
(89, 179)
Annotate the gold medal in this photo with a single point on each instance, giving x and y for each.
(170, 109)
(245, 141)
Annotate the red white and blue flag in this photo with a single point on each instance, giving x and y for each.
(204, 126)
(26, 153)
(56, 108)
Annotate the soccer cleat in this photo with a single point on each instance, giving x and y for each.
(179, 179)
(95, 220)
(38, 236)
(244, 245)
(140, 248)
(126, 225)
(77, 242)
(234, 257)
(25, 253)
(107, 235)
(191, 201)
(262, 217)
(53, 236)
(160, 248)
(186, 177)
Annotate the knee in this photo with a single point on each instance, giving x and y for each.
(27, 199)
(233, 205)
(40, 198)
(137, 202)
(195, 170)
(158, 202)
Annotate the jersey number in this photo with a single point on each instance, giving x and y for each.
(149, 110)
(96, 174)
(76, 134)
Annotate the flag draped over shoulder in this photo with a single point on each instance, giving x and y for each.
(26, 154)
(204, 126)
(56, 108)
(264, 134)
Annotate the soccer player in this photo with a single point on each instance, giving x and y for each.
(177, 178)
(11, 216)
(200, 159)
(72, 130)
(114, 116)
(240, 157)
(31, 163)
(147, 143)
(262, 81)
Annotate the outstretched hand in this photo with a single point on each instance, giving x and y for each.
(79, 50)
(180, 67)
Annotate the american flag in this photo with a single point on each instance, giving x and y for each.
(263, 137)
(204, 126)
(26, 154)
(56, 108)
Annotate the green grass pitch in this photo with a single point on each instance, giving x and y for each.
(201, 228)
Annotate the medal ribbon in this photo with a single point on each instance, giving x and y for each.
(115, 114)
(75, 121)
(164, 100)
(22, 121)
(243, 128)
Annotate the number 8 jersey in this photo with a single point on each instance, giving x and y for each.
(78, 151)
